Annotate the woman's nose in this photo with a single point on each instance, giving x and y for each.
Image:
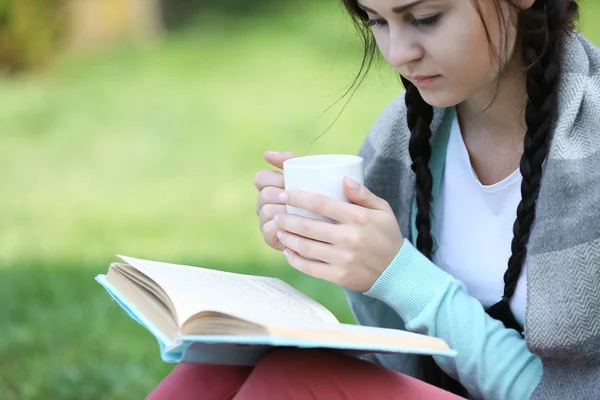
(402, 50)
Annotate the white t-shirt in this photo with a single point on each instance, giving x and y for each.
(474, 225)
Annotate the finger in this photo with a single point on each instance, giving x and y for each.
(314, 268)
(269, 195)
(308, 248)
(270, 230)
(268, 177)
(308, 227)
(359, 194)
(277, 159)
(324, 205)
(269, 211)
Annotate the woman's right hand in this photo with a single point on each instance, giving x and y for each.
(270, 184)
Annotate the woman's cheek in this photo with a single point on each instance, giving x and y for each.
(382, 41)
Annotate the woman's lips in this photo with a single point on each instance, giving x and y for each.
(423, 80)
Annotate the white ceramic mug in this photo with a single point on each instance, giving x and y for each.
(322, 174)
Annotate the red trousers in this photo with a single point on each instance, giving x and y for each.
(293, 374)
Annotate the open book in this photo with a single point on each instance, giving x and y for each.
(209, 316)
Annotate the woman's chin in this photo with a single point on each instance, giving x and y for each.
(440, 98)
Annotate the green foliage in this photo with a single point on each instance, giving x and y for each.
(177, 13)
(29, 32)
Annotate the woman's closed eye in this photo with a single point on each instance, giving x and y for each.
(377, 22)
(414, 21)
(426, 21)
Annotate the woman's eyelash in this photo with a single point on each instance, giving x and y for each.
(376, 22)
(426, 21)
(415, 22)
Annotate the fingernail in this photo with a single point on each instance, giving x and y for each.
(352, 184)
(283, 196)
(286, 253)
(271, 153)
(279, 234)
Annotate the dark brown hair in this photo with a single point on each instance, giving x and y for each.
(539, 31)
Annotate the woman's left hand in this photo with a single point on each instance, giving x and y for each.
(353, 252)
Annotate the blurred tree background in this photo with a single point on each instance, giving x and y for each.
(29, 32)
(135, 127)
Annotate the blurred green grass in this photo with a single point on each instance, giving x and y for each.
(151, 152)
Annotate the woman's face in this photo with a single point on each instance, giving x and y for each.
(442, 47)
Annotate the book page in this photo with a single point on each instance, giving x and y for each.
(258, 299)
(357, 336)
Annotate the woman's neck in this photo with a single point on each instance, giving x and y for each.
(493, 127)
(498, 111)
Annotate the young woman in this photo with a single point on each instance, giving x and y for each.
(479, 221)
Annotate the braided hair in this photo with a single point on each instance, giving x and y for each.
(540, 29)
(541, 56)
(419, 118)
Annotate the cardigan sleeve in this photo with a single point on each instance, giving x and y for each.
(492, 362)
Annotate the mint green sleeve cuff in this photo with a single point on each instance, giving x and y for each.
(492, 362)
(409, 282)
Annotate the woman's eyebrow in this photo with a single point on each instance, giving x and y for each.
(397, 10)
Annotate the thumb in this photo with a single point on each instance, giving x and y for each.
(276, 159)
(360, 195)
